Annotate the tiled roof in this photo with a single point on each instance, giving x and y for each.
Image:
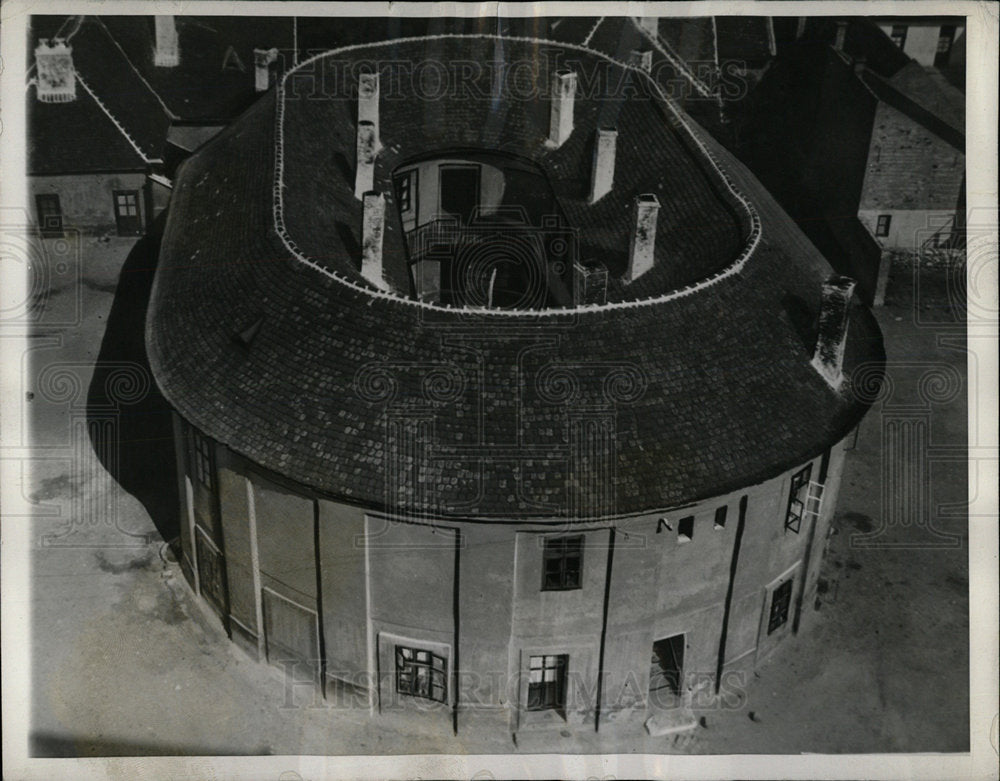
(383, 402)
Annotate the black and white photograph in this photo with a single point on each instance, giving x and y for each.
(527, 390)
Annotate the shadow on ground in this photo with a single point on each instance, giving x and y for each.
(138, 449)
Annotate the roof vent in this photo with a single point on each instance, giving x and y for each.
(56, 82)
(364, 176)
(246, 335)
(643, 242)
(563, 97)
(166, 54)
(603, 175)
(828, 359)
(372, 227)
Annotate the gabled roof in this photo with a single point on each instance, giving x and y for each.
(391, 403)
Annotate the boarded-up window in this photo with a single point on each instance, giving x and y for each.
(290, 631)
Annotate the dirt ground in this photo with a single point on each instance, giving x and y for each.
(126, 662)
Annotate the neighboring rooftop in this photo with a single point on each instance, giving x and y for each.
(706, 392)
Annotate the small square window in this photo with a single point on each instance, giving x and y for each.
(562, 563)
(547, 682)
(685, 528)
(781, 599)
(420, 673)
(720, 517)
(898, 35)
(882, 226)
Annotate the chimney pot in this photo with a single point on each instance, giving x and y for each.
(828, 359)
(372, 228)
(263, 59)
(642, 245)
(364, 179)
(603, 174)
(563, 98)
(642, 59)
(56, 76)
(590, 283)
(167, 52)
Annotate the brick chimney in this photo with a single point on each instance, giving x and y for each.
(56, 79)
(838, 41)
(603, 175)
(828, 359)
(166, 54)
(590, 283)
(364, 177)
(368, 98)
(641, 59)
(643, 242)
(372, 227)
(563, 97)
(263, 59)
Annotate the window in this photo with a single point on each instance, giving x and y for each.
(797, 497)
(882, 226)
(406, 185)
(421, 673)
(547, 682)
(898, 35)
(781, 598)
(562, 563)
(50, 220)
(667, 668)
(945, 38)
(685, 528)
(720, 517)
(204, 461)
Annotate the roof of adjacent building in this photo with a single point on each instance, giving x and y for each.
(262, 334)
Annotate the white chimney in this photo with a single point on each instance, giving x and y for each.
(56, 80)
(650, 25)
(368, 98)
(263, 59)
(364, 177)
(828, 359)
(841, 37)
(643, 242)
(603, 175)
(372, 227)
(563, 97)
(167, 53)
(641, 59)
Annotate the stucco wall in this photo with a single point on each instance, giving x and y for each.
(87, 200)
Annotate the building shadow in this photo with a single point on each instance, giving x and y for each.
(138, 449)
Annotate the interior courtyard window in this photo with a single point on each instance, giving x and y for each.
(421, 673)
(204, 462)
(797, 496)
(781, 598)
(563, 563)
(547, 682)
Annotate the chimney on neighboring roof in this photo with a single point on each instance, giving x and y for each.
(368, 98)
(859, 63)
(364, 176)
(800, 27)
(56, 77)
(643, 241)
(263, 59)
(167, 53)
(372, 227)
(641, 59)
(828, 359)
(603, 174)
(650, 25)
(590, 283)
(563, 97)
(838, 41)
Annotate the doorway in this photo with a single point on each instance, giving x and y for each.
(666, 674)
(458, 186)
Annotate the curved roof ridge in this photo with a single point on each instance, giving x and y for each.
(752, 241)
